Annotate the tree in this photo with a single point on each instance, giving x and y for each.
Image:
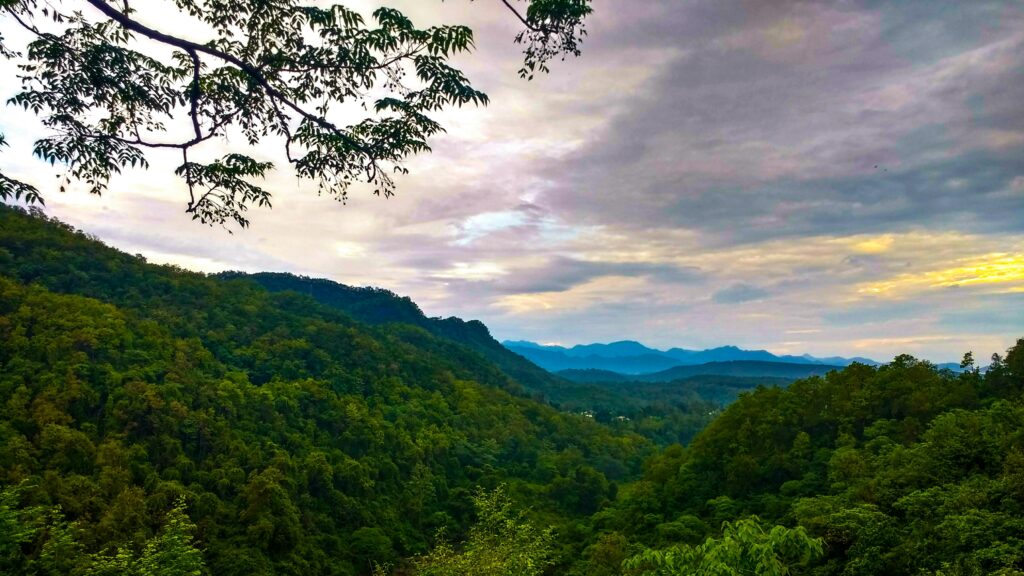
(371, 546)
(15, 532)
(112, 85)
(745, 548)
(172, 552)
(503, 542)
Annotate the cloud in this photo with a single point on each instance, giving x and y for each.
(699, 154)
(738, 293)
(560, 274)
(1002, 312)
(999, 272)
(861, 120)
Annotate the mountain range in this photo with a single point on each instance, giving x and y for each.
(631, 357)
(783, 372)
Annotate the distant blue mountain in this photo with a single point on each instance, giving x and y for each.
(769, 373)
(741, 368)
(619, 349)
(630, 357)
(955, 367)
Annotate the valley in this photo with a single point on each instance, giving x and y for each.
(277, 424)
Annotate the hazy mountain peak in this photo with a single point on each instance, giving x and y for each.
(632, 357)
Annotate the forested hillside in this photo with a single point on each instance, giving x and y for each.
(301, 440)
(903, 469)
(158, 421)
(740, 368)
(378, 306)
(664, 414)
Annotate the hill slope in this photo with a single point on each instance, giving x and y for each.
(746, 368)
(302, 440)
(904, 469)
(378, 306)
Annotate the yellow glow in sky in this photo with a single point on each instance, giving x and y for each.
(875, 245)
(999, 268)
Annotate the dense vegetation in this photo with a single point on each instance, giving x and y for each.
(378, 306)
(741, 368)
(303, 441)
(665, 414)
(900, 469)
(157, 421)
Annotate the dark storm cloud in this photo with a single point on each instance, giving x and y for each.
(974, 192)
(797, 118)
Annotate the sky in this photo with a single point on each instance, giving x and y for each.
(833, 178)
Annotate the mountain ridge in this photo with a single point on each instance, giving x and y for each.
(632, 357)
(378, 306)
(305, 440)
(779, 371)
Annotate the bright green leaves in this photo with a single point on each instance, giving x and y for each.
(503, 542)
(113, 87)
(172, 552)
(36, 541)
(746, 548)
(15, 531)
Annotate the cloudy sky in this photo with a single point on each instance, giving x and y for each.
(826, 177)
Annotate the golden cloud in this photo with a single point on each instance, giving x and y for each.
(1003, 270)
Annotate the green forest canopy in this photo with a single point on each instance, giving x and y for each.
(147, 409)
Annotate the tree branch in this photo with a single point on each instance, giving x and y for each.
(522, 19)
(379, 66)
(253, 72)
(49, 37)
(193, 95)
(138, 141)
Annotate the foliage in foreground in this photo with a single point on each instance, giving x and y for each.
(903, 469)
(745, 548)
(503, 542)
(112, 82)
(170, 552)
